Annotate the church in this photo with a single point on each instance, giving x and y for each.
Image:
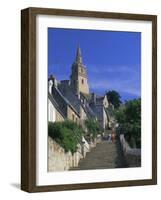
(71, 99)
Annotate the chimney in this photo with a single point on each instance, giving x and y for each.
(50, 85)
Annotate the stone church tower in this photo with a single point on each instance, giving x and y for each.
(78, 78)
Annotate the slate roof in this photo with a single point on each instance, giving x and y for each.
(89, 111)
(75, 101)
(62, 101)
(55, 104)
(86, 96)
(99, 100)
(70, 96)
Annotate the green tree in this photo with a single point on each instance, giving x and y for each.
(129, 119)
(114, 98)
(93, 127)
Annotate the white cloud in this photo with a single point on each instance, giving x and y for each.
(111, 69)
(130, 85)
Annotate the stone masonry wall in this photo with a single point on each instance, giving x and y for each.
(132, 155)
(59, 160)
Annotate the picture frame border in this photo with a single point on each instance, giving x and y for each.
(28, 98)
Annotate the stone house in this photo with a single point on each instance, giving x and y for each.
(65, 107)
(99, 105)
(54, 113)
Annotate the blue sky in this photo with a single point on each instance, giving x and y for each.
(112, 58)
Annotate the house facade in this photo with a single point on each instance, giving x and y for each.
(54, 113)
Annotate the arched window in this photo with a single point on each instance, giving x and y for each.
(82, 81)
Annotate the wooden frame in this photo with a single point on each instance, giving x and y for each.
(28, 98)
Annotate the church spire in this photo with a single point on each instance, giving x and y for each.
(79, 56)
(79, 78)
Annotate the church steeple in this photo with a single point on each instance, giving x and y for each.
(78, 78)
(79, 56)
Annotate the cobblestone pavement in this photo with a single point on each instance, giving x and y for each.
(105, 155)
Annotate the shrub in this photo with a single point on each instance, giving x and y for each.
(93, 127)
(114, 98)
(69, 142)
(67, 134)
(129, 119)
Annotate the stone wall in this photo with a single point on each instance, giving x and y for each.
(59, 160)
(59, 117)
(72, 115)
(83, 82)
(132, 155)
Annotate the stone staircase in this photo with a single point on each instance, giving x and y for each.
(105, 155)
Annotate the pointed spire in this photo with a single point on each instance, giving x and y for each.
(79, 55)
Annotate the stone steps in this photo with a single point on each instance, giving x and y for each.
(105, 155)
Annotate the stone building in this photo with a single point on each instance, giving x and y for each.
(60, 103)
(74, 99)
(99, 105)
(78, 78)
(54, 113)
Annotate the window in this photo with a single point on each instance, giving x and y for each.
(82, 81)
